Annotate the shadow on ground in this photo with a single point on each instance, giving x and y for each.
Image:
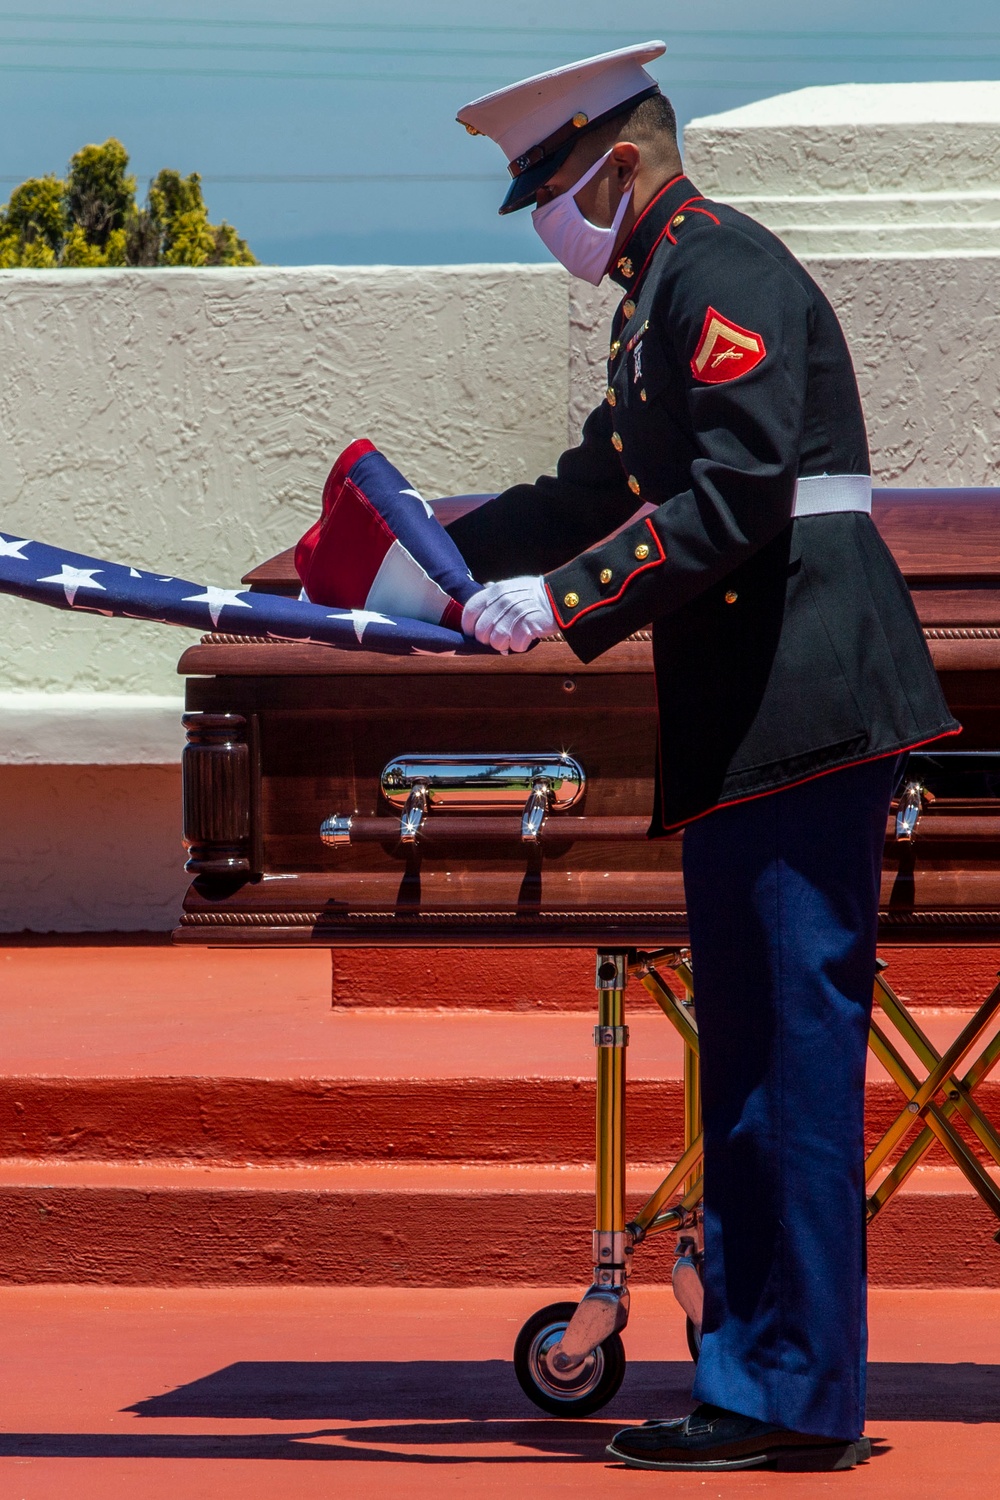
(447, 1408)
(485, 1390)
(427, 1390)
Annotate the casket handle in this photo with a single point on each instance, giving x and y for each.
(533, 785)
(911, 804)
(414, 813)
(438, 832)
(536, 810)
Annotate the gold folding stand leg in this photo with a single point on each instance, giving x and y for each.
(685, 1216)
(922, 1106)
(603, 1309)
(658, 1213)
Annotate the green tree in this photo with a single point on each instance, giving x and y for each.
(176, 205)
(35, 221)
(92, 219)
(100, 195)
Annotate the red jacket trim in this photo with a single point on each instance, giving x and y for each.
(612, 598)
(649, 206)
(787, 786)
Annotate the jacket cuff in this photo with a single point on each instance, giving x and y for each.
(601, 579)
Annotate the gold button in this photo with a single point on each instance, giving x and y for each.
(732, 597)
(615, 348)
(606, 575)
(580, 119)
(628, 307)
(677, 219)
(616, 442)
(633, 484)
(642, 395)
(611, 398)
(641, 551)
(571, 601)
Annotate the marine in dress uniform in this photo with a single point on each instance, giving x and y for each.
(791, 674)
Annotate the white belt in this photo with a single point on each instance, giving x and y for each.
(821, 494)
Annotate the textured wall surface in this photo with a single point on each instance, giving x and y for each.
(590, 312)
(925, 137)
(187, 419)
(924, 333)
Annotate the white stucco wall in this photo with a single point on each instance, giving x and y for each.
(860, 168)
(187, 419)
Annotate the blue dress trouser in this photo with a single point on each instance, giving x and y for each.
(782, 896)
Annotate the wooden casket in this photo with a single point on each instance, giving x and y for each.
(469, 801)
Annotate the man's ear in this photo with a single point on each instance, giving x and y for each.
(627, 159)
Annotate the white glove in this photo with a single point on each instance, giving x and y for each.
(510, 615)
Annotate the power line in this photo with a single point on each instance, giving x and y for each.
(274, 179)
(147, 72)
(431, 28)
(270, 48)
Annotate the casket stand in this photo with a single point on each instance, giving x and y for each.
(356, 799)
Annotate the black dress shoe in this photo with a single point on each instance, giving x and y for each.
(711, 1438)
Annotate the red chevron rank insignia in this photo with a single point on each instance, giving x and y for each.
(725, 350)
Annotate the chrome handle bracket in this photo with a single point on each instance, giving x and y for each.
(912, 801)
(414, 812)
(336, 831)
(536, 809)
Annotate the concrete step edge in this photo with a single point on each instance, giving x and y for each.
(461, 1178)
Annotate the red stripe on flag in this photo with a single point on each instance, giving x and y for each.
(348, 551)
(451, 618)
(341, 470)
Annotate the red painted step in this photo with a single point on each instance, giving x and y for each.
(214, 1119)
(422, 979)
(164, 1225)
(288, 1079)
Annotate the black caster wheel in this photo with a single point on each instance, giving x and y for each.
(694, 1339)
(579, 1392)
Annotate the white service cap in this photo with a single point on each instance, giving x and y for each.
(537, 122)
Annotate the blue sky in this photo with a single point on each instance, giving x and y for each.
(322, 89)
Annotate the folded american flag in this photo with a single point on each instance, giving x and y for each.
(69, 580)
(379, 546)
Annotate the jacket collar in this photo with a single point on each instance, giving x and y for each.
(650, 228)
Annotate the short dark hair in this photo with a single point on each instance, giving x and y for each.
(652, 118)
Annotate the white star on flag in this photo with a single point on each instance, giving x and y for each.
(73, 579)
(418, 496)
(132, 573)
(13, 548)
(359, 618)
(216, 599)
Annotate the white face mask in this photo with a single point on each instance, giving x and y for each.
(583, 248)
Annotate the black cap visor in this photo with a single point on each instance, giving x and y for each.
(521, 193)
